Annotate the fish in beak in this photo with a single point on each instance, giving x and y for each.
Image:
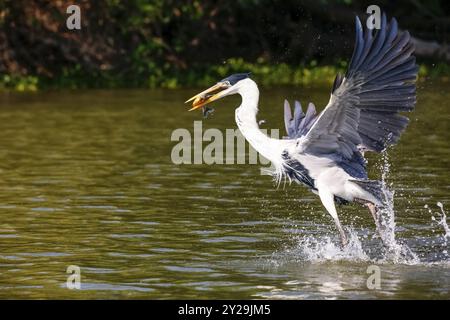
(211, 94)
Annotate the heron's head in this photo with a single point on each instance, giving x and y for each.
(223, 88)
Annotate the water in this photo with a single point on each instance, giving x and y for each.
(86, 179)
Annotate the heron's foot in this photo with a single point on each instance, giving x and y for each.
(376, 218)
(344, 240)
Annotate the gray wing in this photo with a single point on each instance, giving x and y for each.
(363, 111)
(299, 124)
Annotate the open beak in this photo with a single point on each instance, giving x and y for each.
(216, 92)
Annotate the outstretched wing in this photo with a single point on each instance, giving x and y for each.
(363, 111)
(299, 124)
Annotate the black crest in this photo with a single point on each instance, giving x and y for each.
(235, 78)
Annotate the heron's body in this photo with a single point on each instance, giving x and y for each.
(325, 152)
(323, 176)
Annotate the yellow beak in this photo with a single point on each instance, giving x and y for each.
(208, 96)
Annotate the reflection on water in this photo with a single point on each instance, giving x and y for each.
(86, 179)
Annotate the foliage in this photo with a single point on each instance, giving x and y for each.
(173, 43)
(266, 74)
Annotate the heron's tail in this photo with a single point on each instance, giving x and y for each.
(374, 187)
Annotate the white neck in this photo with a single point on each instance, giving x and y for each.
(246, 120)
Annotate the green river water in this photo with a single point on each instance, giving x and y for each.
(87, 179)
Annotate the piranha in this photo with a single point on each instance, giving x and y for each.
(207, 111)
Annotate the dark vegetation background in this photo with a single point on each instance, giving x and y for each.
(171, 43)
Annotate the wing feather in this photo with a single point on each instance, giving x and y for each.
(299, 124)
(363, 111)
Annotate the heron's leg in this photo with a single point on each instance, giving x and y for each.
(327, 199)
(374, 212)
(376, 217)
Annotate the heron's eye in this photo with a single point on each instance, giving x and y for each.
(227, 83)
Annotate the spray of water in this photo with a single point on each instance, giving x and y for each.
(320, 249)
(325, 249)
(395, 251)
(442, 222)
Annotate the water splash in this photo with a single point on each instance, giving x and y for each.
(442, 222)
(319, 249)
(394, 251)
(325, 249)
